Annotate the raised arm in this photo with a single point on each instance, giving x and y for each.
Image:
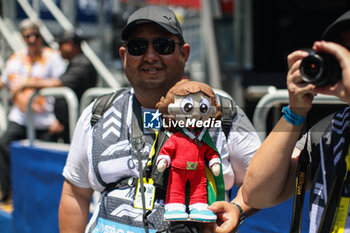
(271, 174)
(270, 177)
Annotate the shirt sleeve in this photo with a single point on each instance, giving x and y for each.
(79, 70)
(76, 169)
(57, 66)
(12, 66)
(242, 144)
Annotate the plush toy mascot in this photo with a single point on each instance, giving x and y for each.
(189, 108)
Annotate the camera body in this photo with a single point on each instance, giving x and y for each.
(320, 69)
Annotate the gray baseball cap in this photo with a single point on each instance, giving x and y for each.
(155, 14)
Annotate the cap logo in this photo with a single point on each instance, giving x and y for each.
(167, 17)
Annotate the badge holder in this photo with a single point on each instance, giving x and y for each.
(149, 191)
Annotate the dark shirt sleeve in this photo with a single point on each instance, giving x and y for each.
(80, 75)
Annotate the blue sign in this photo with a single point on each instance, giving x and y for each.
(151, 120)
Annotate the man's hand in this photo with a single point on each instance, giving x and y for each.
(228, 217)
(56, 127)
(342, 88)
(301, 93)
(2, 84)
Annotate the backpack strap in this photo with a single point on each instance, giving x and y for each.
(137, 141)
(307, 164)
(228, 109)
(103, 103)
(303, 169)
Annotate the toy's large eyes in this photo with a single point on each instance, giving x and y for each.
(187, 105)
(204, 106)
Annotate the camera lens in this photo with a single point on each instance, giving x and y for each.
(320, 69)
(312, 67)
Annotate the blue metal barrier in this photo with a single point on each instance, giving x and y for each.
(276, 219)
(5, 222)
(36, 185)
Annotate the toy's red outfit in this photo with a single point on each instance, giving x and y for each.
(187, 158)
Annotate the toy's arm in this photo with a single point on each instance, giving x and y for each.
(214, 161)
(165, 154)
(162, 164)
(215, 168)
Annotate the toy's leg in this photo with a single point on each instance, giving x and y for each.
(175, 212)
(175, 208)
(198, 187)
(198, 199)
(199, 212)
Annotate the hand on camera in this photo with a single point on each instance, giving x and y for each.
(300, 93)
(342, 88)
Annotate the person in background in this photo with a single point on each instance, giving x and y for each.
(35, 62)
(80, 75)
(102, 157)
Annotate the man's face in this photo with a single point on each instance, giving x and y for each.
(152, 70)
(66, 49)
(32, 38)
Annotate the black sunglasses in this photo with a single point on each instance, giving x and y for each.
(36, 35)
(163, 46)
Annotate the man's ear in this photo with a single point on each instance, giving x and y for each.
(122, 52)
(185, 51)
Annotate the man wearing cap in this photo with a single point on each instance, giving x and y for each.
(321, 156)
(105, 156)
(80, 75)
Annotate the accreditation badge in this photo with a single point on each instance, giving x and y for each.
(342, 213)
(150, 191)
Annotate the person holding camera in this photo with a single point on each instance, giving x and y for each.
(270, 179)
(271, 175)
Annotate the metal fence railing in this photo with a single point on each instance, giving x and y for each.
(276, 99)
(3, 119)
(72, 103)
